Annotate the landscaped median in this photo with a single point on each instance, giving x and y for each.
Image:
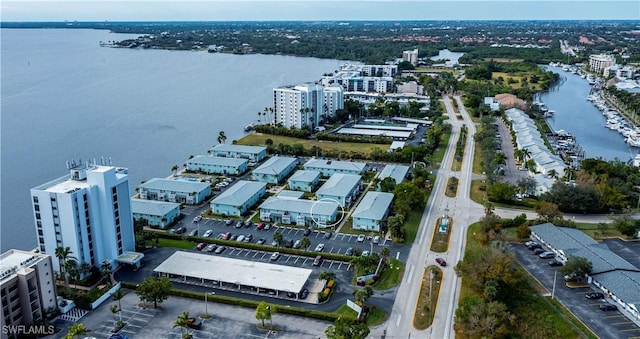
(428, 298)
(440, 239)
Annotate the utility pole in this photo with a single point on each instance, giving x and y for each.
(553, 290)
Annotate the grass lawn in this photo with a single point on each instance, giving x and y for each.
(476, 194)
(438, 155)
(259, 139)
(425, 308)
(477, 154)
(440, 241)
(391, 275)
(376, 316)
(452, 187)
(516, 76)
(411, 225)
(593, 231)
(163, 242)
(503, 60)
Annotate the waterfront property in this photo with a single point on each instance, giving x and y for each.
(179, 190)
(239, 198)
(599, 62)
(616, 277)
(306, 104)
(156, 213)
(233, 274)
(274, 170)
(304, 180)
(28, 288)
(253, 153)
(343, 188)
(397, 172)
(372, 211)
(217, 165)
(302, 212)
(89, 211)
(328, 167)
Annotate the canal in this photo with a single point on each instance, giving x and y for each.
(578, 116)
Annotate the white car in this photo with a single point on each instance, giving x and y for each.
(365, 253)
(320, 247)
(275, 256)
(361, 238)
(376, 239)
(207, 233)
(197, 218)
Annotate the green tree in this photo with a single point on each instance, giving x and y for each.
(326, 275)
(154, 290)
(278, 238)
(221, 137)
(501, 192)
(347, 328)
(114, 309)
(77, 330)
(387, 184)
(64, 254)
(578, 267)
(117, 296)
(105, 271)
(305, 243)
(174, 169)
(479, 318)
(264, 311)
(385, 251)
(182, 321)
(407, 193)
(548, 211)
(362, 294)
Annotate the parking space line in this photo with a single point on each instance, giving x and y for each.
(631, 329)
(265, 253)
(331, 250)
(257, 252)
(614, 316)
(623, 323)
(247, 253)
(297, 258)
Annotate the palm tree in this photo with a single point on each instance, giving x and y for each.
(271, 111)
(221, 137)
(63, 254)
(526, 153)
(325, 275)
(385, 251)
(117, 296)
(84, 269)
(518, 154)
(259, 115)
(71, 267)
(305, 243)
(553, 173)
(362, 294)
(182, 321)
(77, 330)
(174, 169)
(105, 270)
(114, 309)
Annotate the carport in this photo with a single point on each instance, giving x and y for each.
(205, 269)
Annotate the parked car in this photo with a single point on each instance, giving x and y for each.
(226, 236)
(220, 249)
(304, 293)
(193, 233)
(228, 222)
(555, 263)
(538, 251)
(180, 230)
(328, 235)
(261, 241)
(365, 253)
(248, 238)
(240, 238)
(376, 239)
(608, 307)
(275, 256)
(197, 218)
(595, 296)
(291, 295)
(441, 262)
(547, 255)
(248, 224)
(320, 247)
(297, 244)
(201, 246)
(172, 231)
(260, 225)
(349, 251)
(307, 232)
(233, 237)
(194, 323)
(267, 227)
(238, 224)
(534, 245)
(210, 247)
(361, 238)
(288, 243)
(317, 261)
(207, 233)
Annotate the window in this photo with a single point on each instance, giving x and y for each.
(35, 200)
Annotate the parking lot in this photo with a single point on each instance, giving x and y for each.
(605, 324)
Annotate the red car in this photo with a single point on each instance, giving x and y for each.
(201, 246)
(260, 225)
(441, 262)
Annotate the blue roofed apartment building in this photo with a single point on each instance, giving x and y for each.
(180, 191)
(302, 212)
(330, 167)
(217, 165)
(372, 211)
(274, 170)
(343, 188)
(397, 172)
(156, 213)
(304, 180)
(253, 153)
(239, 198)
(616, 277)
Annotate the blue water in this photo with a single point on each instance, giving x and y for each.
(578, 116)
(63, 97)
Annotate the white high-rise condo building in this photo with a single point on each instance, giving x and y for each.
(304, 105)
(599, 62)
(411, 56)
(88, 211)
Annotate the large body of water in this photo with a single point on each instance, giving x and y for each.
(64, 97)
(578, 116)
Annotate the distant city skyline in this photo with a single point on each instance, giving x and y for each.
(303, 10)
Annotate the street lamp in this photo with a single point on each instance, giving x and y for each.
(206, 309)
(270, 321)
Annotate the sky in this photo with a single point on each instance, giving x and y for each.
(312, 10)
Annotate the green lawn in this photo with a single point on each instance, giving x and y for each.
(438, 155)
(425, 308)
(376, 316)
(411, 225)
(163, 242)
(259, 139)
(440, 241)
(391, 275)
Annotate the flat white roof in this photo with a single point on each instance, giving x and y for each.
(335, 164)
(238, 148)
(384, 127)
(217, 161)
(375, 132)
(416, 121)
(235, 271)
(177, 185)
(152, 207)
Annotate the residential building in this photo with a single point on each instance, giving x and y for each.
(362, 84)
(343, 188)
(217, 165)
(239, 198)
(332, 100)
(28, 288)
(302, 212)
(616, 277)
(372, 211)
(378, 70)
(88, 211)
(403, 99)
(179, 190)
(155, 213)
(290, 194)
(253, 153)
(411, 56)
(410, 87)
(275, 169)
(397, 172)
(599, 62)
(298, 106)
(304, 180)
(329, 167)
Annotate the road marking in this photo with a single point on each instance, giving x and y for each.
(397, 255)
(614, 316)
(410, 274)
(623, 323)
(398, 321)
(631, 329)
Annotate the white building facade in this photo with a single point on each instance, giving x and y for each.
(599, 62)
(411, 56)
(298, 106)
(88, 211)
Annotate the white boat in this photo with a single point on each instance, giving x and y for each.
(633, 141)
(636, 160)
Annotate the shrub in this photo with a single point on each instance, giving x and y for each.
(330, 284)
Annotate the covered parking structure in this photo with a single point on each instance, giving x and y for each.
(236, 274)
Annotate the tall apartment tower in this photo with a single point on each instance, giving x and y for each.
(298, 106)
(332, 100)
(88, 211)
(411, 56)
(599, 62)
(27, 287)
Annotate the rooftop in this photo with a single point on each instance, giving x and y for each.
(373, 206)
(239, 193)
(339, 184)
(275, 165)
(238, 148)
(152, 207)
(247, 273)
(335, 164)
(219, 161)
(397, 172)
(305, 176)
(174, 185)
(290, 194)
(13, 261)
(304, 206)
(375, 132)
